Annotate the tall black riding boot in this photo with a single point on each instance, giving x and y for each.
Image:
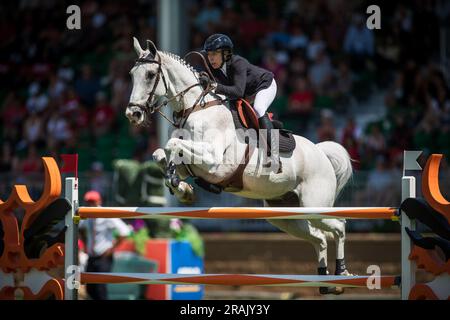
(265, 123)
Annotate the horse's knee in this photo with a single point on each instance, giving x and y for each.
(309, 233)
(159, 156)
(173, 144)
(340, 234)
(320, 241)
(339, 230)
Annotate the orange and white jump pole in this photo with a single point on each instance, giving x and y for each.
(238, 213)
(242, 279)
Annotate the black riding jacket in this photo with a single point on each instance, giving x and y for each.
(243, 79)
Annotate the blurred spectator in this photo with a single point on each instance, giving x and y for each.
(209, 13)
(382, 178)
(298, 39)
(228, 21)
(271, 63)
(320, 73)
(13, 112)
(71, 102)
(98, 180)
(98, 236)
(58, 127)
(401, 135)
(103, 116)
(316, 46)
(34, 129)
(32, 163)
(37, 100)
(375, 143)
(359, 42)
(301, 102)
(66, 72)
(352, 147)
(56, 87)
(279, 37)
(326, 130)
(8, 163)
(87, 86)
(251, 27)
(342, 84)
(350, 141)
(351, 130)
(121, 91)
(425, 134)
(298, 67)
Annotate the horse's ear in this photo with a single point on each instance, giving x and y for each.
(151, 47)
(137, 47)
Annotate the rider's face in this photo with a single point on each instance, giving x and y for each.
(215, 58)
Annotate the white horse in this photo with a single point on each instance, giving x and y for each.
(211, 148)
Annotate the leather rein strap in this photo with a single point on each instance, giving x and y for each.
(205, 64)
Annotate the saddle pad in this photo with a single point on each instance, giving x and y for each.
(287, 141)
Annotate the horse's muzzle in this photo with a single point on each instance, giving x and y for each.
(135, 114)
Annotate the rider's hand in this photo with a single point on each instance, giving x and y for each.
(204, 81)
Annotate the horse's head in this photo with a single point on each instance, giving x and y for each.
(149, 83)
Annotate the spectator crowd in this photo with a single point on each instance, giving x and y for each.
(65, 91)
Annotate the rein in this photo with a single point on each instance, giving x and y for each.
(205, 64)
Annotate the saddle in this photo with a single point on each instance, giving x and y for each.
(244, 117)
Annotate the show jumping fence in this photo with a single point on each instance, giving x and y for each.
(76, 213)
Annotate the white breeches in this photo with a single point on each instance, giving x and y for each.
(264, 98)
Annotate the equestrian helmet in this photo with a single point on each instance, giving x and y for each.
(219, 41)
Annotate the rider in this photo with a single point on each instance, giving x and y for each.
(237, 78)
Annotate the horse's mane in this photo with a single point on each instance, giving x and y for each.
(180, 60)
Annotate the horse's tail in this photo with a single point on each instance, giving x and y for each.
(340, 159)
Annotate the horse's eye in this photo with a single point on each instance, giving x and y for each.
(150, 75)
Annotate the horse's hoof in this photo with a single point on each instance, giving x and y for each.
(188, 198)
(338, 291)
(331, 290)
(188, 195)
(345, 273)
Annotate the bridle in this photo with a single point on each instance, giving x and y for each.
(149, 107)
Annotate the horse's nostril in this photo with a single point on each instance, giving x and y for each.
(136, 114)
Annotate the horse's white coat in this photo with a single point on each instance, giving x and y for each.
(314, 172)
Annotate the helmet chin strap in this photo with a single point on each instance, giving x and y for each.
(226, 55)
(223, 59)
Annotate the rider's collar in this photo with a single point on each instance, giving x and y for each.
(224, 68)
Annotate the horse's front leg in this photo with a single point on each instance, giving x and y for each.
(200, 155)
(181, 189)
